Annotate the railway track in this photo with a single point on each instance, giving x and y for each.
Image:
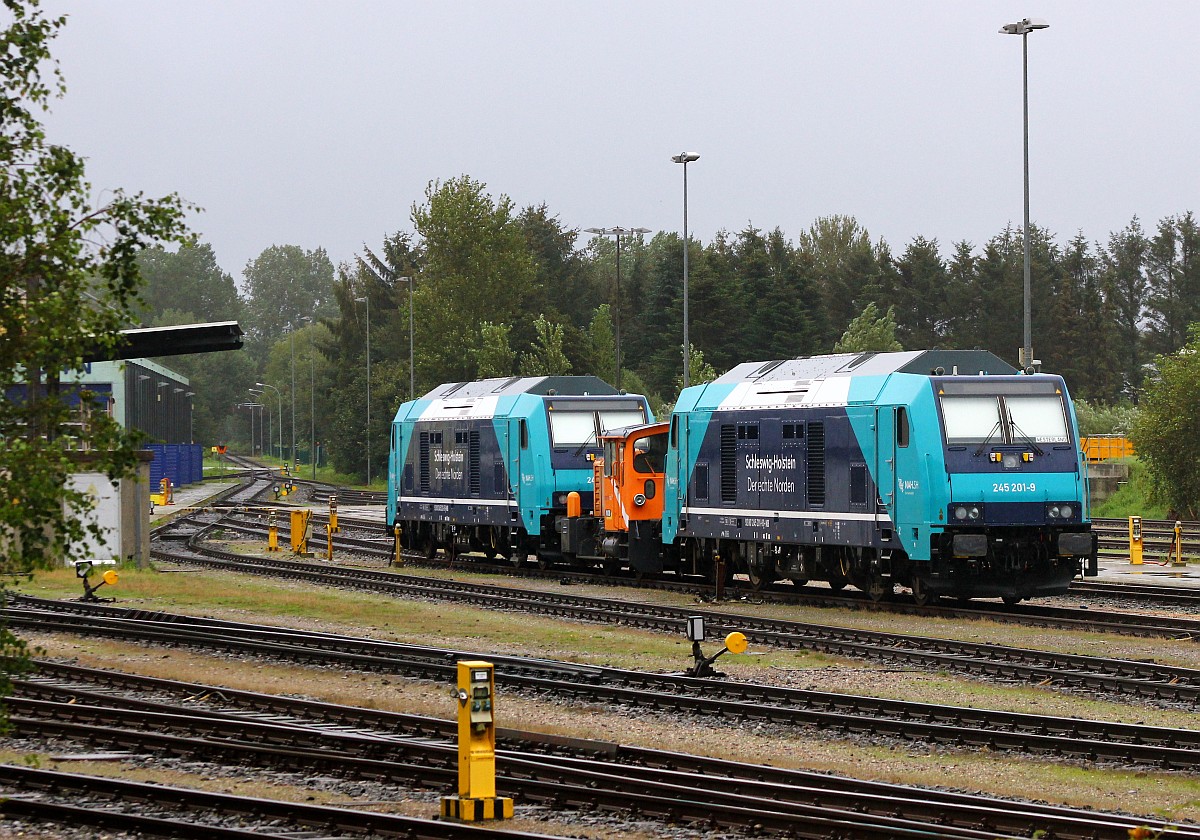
(156, 810)
(1146, 680)
(1085, 618)
(675, 694)
(534, 768)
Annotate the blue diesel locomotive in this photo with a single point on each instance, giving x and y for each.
(944, 471)
(487, 466)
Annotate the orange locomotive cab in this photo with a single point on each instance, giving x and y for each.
(625, 525)
(629, 496)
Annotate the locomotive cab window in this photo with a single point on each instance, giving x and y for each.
(902, 427)
(650, 454)
(971, 419)
(1038, 419)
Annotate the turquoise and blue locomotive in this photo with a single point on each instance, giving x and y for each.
(487, 466)
(944, 471)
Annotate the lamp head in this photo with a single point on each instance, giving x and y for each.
(1024, 27)
(686, 157)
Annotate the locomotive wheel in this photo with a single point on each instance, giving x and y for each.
(543, 562)
(517, 558)
(921, 595)
(878, 589)
(430, 546)
(760, 573)
(610, 566)
(837, 585)
(1011, 600)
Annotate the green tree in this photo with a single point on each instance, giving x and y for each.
(478, 268)
(187, 280)
(69, 279)
(1173, 282)
(846, 265)
(1166, 433)
(870, 331)
(547, 357)
(1125, 286)
(283, 284)
(603, 346)
(922, 313)
(495, 356)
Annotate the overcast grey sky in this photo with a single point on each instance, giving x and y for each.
(320, 123)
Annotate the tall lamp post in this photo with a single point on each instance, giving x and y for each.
(292, 349)
(1023, 28)
(279, 400)
(270, 420)
(617, 233)
(367, 300)
(685, 158)
(312, 410)
(412, 379)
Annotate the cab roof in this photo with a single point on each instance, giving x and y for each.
(547, 386)
(926, 362)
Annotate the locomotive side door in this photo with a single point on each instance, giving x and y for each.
(885, 466)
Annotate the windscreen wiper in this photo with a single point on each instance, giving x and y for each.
(595, 435)
(1028, 439)
(987, 439)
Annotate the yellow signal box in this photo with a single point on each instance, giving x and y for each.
(1135, 540)
(300, 523)
(476, 799)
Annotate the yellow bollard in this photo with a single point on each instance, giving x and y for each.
(476, 799)
(333, 514)
(1135, 540)
(328, 542)
(272, 532)
(397, 558)
(1179, 561)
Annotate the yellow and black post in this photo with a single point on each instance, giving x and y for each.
(272, 532)
(1178, 552)
(1135, 540)
(476, 799)
(398, 557)
(333, 526)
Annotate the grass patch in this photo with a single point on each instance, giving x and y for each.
(1133, 498)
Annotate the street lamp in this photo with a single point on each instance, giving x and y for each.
(412, 380)
(685, 158)
(279, 399)
(312, 410)
(617, 233)
(1023, 28)
(270, 420)
(191, 418)
(292, 348)
(367, 300)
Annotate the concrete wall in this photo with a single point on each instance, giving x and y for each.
(1104, 479)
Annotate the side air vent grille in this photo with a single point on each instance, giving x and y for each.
(729, 463)
(816, 464)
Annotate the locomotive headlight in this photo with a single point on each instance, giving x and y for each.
(960, 513)
(1011, 462)
(1054, 512)
(639, 499)
(1066, 511)
(973, 513)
